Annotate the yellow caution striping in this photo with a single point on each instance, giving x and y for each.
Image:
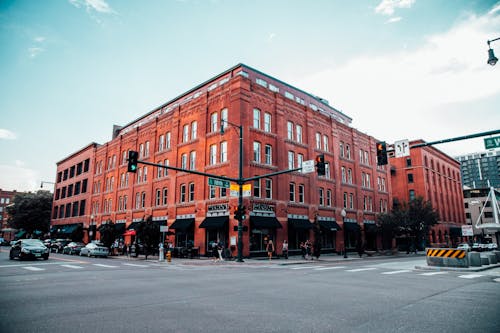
(446, 253)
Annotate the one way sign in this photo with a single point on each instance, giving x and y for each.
(402, 148)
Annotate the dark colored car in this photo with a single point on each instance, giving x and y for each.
(73, 248)
(29, 249)
(58, 245)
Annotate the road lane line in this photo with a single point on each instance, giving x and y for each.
(107, 266)
(328, 268)
(135, 265)
(433, 273)
(361, 269)
(32, 268)
(397, 272)
(470, 276)
(72, 266)
(305, 267)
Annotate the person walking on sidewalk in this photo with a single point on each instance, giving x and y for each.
(284, 249)
(303, 250)
(270, 249)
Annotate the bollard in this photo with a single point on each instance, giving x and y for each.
(169, 256)
(160, 252)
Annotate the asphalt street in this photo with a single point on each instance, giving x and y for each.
(76, 294)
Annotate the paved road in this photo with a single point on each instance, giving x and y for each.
(73, 294)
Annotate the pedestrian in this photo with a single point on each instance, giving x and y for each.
(308, 249)
(214, 251)
(303, 250)
(270, 249)
(317, 249)
(124, 250)
(284, 249)
(220, 246)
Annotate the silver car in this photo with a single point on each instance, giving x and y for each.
(96, 250)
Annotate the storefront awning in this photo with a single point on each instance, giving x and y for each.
(352, 227)
(182, 224)
(214, 222)
(330, 225)
(370, 227)
(129, 233)
(133, 225)
(20, 234)
(119, 228)
(67, 228)
(265, 222)
(455, 231)
(300, 223)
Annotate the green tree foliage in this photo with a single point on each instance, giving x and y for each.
(148, 233)
(108, 233)
(30, 211)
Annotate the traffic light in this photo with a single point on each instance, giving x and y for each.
(381, 153)
(132, 161)
(240, 213)
(237, 214)
(320, 165)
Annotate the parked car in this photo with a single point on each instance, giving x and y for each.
(73, 248)
(477, 247)
(93, 249)
(464, 246)
(492, 246)
(58, 245)
(29, 249)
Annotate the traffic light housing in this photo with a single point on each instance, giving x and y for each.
(381, 153)
(320, 165)
(132, 161)
(240, 213)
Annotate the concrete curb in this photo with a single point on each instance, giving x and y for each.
(457, 269)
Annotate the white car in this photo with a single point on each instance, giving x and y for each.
(492, 246)
(92, 249)
(464, 246)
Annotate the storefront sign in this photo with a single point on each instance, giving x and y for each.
(217, 208)
(262, 207)
(467, 230)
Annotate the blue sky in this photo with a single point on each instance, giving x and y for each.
(402, 69)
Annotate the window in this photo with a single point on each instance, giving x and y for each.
(267, 122)
(268, 151)
(223, 117)
(165, 196)
(194, 130)
(211, 192)
(289, 126)
(213, 154)
(146, 152)
(292, 192)
(165, 172)
(412, 194)
(344, 180)
(321, 197)
(137, 200)
(183, 193)
(300, 160)
(301, 193)
(273, 88)
(213, 122)
(168, 141)
(348, 152)
(351, 201)
(256, 188)
(329, 198)
(185, 133)
(161, 142)
(327, 171)
(223, 152)
(367, 160)
(318, 141)
(410, 178)
(158, 197)
(349, 176)
(191, 192)
(143, 201)
(325, 143)
(298, 131)
(256, 152)
(268, 183)
(256, 118)
(184, 161)
(341, 148)
(141, 150)
(408, 162)
(291, 158)
(159, 172)
(192, 160)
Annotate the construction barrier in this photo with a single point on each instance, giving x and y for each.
(447, 257)
(446, 253)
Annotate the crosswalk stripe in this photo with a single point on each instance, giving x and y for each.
(32, 268)
(470, 276)
(328, 268)
(107, 266)
(361, 269)
(135, 265)
(72, 266)
(397, 272)
(433, 273)
(305, 267)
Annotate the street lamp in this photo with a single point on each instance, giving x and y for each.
(492, 60)
(44, 182)
(240, 182)
(344, 214)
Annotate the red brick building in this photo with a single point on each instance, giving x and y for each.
(435, 176)
(6, 198)
(282, 126)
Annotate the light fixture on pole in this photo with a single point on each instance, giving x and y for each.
(344, 214)
(492, 60)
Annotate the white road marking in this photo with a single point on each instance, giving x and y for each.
(328, 268)
(72, 266)
(305, 267)
(107, 266)
(433, 273)
(397, 272)
(135, 265)
(361, 269)
(470, 276)
(496, 280)
(32, 268)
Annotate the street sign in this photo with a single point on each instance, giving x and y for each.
(491, 143)
(164, 228)
(467, 230)
(218, 182)
(308, 166)
(402, 148)
(234, 189)
(247, 190)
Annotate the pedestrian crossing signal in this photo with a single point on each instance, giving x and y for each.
(132, 161)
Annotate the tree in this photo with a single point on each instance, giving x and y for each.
(148, 233)
(30, 211)
(108, 234)
(412, 219)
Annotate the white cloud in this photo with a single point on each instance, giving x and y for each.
(18, 178)
(387, 7)
(39, 39)
(271, 37)
(393, 20)
(495, 9)
(35, 51)
(100, 6)
(414, 93)
(6, 134)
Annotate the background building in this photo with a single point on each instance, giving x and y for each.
(476, 201)
(435, 176)
(480, 170)
(6, 198)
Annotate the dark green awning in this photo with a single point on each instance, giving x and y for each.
(330, 225)
(352, 227)
(182, 224)
(120, 228)
(265, 222)
(300, 223)
(214, 222)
